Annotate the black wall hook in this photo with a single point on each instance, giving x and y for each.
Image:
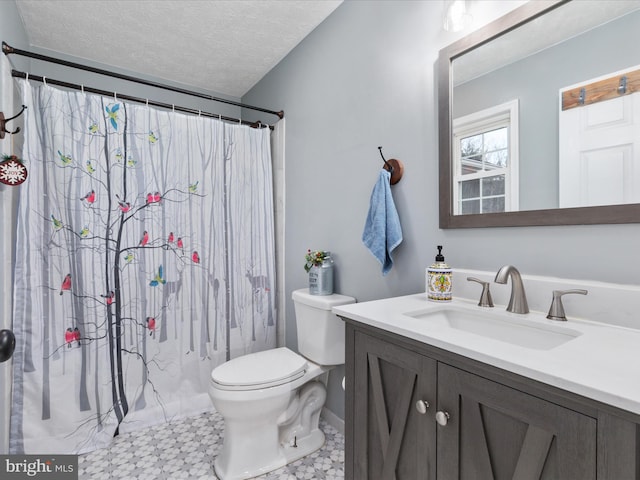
(3, 122)
(389, 167)
(394, 167)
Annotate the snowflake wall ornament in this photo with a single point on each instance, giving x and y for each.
(12, 171)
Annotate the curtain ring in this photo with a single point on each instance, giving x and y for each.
(44, 80)
(115, 96)
(173, 107)
(27, 77)
(199, 113)
(82, 87)
(147, 103)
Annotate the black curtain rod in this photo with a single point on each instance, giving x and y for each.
(8, 49)
(74, 86)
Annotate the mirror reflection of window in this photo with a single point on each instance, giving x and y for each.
(486, 160)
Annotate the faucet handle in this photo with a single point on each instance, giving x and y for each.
(556, 311)
(485, 296)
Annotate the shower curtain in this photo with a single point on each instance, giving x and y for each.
(145, 257)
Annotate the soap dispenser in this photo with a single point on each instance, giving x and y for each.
(439, 279)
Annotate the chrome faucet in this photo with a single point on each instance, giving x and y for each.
(518, 301)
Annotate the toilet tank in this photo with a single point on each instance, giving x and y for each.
(320, 332)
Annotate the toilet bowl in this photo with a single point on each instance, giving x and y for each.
(271, 401)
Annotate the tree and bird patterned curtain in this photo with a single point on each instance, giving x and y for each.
(145, 258)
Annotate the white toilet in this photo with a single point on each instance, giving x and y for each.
(271, 400)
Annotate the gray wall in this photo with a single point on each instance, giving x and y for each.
(12, 31)
(10, 27)
(364, 78)
(535, 81)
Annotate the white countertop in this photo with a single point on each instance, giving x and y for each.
(602, 362)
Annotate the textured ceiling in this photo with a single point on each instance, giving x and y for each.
(219, 45)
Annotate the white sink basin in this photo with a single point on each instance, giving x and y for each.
(529, 333)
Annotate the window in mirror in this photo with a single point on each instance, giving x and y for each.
(486, 160)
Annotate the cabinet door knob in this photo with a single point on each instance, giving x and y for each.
(422, 406)
(442, 418)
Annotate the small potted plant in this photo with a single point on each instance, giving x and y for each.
(319, 266)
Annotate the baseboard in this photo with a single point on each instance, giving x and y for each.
(332, 419)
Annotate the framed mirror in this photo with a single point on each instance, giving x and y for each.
(510, 95)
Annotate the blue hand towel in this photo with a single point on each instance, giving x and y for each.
(382, 231)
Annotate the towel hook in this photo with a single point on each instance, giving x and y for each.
(395, 167)
(3, 123)
(388, 165)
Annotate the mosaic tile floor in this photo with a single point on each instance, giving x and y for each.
(185, 450)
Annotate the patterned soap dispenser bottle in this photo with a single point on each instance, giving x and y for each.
(439, 277)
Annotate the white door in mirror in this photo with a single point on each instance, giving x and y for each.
(600, 153)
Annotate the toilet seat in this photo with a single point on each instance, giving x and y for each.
(259, 370)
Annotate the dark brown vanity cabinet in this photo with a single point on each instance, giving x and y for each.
(420, 415)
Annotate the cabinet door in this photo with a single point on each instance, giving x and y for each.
(392, 439)
(495, 432)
